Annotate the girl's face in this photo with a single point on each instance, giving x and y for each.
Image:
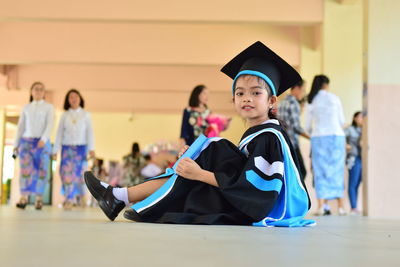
(252, 100)
(38, 92)
(359, 120)
(74, 100)
(203, 97)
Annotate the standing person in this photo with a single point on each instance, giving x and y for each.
(132, 165)
(215, 182)
(324, 121)
(32, 144)
(289, 112)
(194, 118)
(354, 163)
(76, 140)
(99, 170)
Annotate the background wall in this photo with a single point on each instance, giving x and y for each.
(382, 91)
(342, 53)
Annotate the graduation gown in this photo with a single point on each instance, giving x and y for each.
(258, 181)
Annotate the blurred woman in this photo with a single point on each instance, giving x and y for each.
(132, 165)
(324, 122)
(32, 144)
(75, 139)
(194, 118)
(353, 139)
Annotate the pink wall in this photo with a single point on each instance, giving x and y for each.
(381, 145)
(282, 11)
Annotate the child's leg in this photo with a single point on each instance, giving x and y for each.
(26, 169)
(141, 191)
(354, 182)
(320, 203)
(67, 174)
(359, 178)
(112, 200)
(42, 160)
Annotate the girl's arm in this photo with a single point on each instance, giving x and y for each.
(59, 135)
(90, 135)
(21, 129)
(189, 169)
(49, 124)
(341, 114)
(308, 120)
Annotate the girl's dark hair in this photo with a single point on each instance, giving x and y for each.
(317, 83)
(135, 149)
(298, 84)
(354, 123)
(67, 105)
(194, 96)
(273, 112)
(100, 161)
(32, 86)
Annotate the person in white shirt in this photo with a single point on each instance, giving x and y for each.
(324, 122)
(151, 169)
(75, 139)
(33, 147)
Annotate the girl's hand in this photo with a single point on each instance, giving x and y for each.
(54, 156)
(92, 154)
(40, 144)
(183, 150)
(189, 169)
(348, 148)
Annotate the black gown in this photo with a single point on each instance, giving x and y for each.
(250, 182)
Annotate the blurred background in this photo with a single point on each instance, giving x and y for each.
(136, 62)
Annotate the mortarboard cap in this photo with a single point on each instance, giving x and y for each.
(260, 61)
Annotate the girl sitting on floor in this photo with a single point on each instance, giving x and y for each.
(215, 182)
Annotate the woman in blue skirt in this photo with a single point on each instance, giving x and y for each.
(75, 139)
(32, 144)
(324, 121)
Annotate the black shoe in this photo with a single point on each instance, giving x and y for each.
(21, 205)
(104, 196)
(327, 212)
(132, 215)
(39, 205)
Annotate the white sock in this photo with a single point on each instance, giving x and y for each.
(105, 185)
(326, 207)
(121, 194)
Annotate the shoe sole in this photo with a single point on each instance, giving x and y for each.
(21, 207)
(104, 207)
(132, 216)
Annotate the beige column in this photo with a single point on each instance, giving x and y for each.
(334, 48)
(2, 138)
(381, 103)
(342, 52)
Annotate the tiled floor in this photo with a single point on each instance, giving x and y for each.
(53, 237)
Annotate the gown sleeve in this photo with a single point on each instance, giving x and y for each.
(256, 189)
